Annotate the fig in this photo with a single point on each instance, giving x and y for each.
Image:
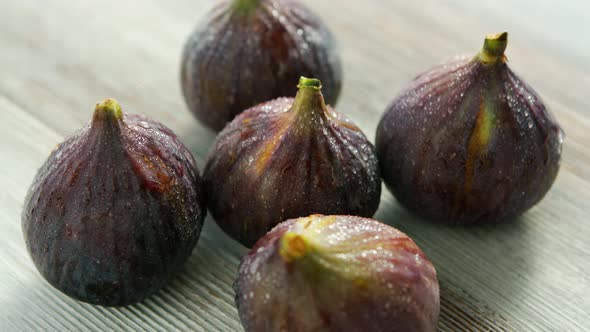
(469, 141)
(337, 273)
(246, 52)
(289, 158)
(115, 210)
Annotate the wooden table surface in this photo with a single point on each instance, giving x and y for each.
(59, 57)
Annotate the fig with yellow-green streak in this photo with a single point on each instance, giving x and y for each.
(469, 141)
(289, 158)
(337, 273)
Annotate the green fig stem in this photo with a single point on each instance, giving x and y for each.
(245, 6)
(312, 83)
(107, 110)
(309, 102)
(293, 247)
(493, 48)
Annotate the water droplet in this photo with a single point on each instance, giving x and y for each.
(560, 137)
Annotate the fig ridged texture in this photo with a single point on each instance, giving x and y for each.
(237, 59)
(469, 142)
(337, 273)
(282, 160)
(115, 210)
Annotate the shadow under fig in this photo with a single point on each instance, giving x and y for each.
(199, 295)
(475, 263)
(213, 266)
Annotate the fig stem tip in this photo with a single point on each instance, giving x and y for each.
(109, 108)
(293, 247)
(494, 46)
(313, 83)
(245, 6)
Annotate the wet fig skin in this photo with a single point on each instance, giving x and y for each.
(337, 273)
(115, 210)
(289, 158)
(469, 141)
(247, 52)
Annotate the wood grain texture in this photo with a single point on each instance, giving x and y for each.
(58, 57)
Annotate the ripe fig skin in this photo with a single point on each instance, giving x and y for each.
(115, 210)
(337, 273)
(289, 158)
(469, 141)
(247, 52)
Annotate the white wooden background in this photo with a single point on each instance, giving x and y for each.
(59, 57)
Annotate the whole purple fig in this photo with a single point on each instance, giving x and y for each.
(289, 158)
(115, 210)
(334, 274)
(250, 51)
(469, 141)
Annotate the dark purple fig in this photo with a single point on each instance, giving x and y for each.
(115, 210)
(250, 51)
(335, 274)
(469, 141)
(289, 158)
